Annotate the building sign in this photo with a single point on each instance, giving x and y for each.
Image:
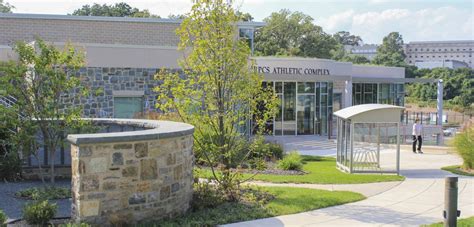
(290, 70)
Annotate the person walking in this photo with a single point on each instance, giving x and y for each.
(417, 136)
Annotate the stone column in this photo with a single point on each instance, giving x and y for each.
(129, 177)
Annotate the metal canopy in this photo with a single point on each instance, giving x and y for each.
(371, 113)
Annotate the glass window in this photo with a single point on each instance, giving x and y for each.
(306, 87)
(127, 107)
(247, 34)
(368, 98)
(278, 127)
(324, 87)
(289, 104)
(278, 87)
(358, 88)
(324, 99)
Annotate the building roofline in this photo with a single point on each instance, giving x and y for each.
(111, 19)
(444, 41)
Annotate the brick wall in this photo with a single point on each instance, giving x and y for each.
(88, 31)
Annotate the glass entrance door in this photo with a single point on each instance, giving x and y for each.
(305, 114)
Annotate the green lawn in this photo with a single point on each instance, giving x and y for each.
(321, 170)
(287, 201)
(465, 222)
(456, 170)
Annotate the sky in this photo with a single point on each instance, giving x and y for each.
(416, 20)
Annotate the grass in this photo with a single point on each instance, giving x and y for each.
(456, 169)
(287, 201)
(465, 222)
(321, 170)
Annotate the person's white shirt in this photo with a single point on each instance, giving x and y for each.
(417, 129)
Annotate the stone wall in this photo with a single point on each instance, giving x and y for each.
(102, 82)
(132, 178)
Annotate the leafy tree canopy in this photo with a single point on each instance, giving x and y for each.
(176, 16)
(458, 86)
(121, 9)
(345, 38)
(244, 16)
(340, 54)
(40, 82)
(293, 34)
(5, 7)
(391, 53)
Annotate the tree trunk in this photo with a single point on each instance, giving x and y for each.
(52, 151)
(40, 169)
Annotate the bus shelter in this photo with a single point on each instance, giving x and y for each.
(368, 138)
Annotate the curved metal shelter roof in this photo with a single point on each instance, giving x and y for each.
(371, 113)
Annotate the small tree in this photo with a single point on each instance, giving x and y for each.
(218, 93)
(41, 81)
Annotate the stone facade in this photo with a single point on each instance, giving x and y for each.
(123, 183)
(102, 82)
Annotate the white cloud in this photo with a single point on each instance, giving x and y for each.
(443, 23)
(338, 21)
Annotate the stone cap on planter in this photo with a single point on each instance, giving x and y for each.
(153, 129)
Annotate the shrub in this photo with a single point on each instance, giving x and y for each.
(3, 218)
(262, 149)
(464, 143)
(10, 166)
(206, 195)
(259, 148)
(10, 163)
(39, 212)
(276, 150)
(51, 192)
(291, 161)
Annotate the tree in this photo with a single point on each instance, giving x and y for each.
(121, 9)
(292, 34)
(458, 86)
(356, 59)
(176, 16)
(345, 38)
(40, 81)
(5, 7)
(391, 53)
(340, 54)
(244, 16)
(217, 91)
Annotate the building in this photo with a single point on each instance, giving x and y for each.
(367, 50)
(451, 64)
(124, 54)
(440, 51)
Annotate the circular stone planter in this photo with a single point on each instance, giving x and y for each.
(128, 177)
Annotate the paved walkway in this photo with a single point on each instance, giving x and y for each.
(417, 200)
(12, 206)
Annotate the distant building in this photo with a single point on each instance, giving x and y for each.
(367, 50)
(442, 52)
(452, 64)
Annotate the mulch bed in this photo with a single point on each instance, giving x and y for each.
(271, 169)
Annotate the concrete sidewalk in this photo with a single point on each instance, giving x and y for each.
(417, 200)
